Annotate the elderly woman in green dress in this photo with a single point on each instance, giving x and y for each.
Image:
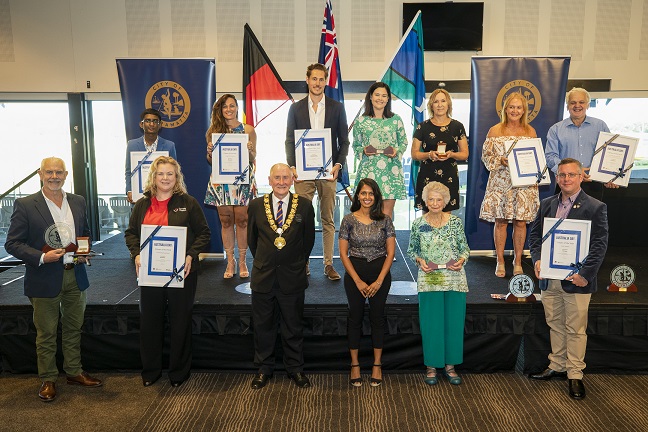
(438, 246)
(379, 141)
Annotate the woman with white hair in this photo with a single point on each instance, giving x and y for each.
(438, 246)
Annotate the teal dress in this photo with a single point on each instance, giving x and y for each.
(229, 194)
(386, 171)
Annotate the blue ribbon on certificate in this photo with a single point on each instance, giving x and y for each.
(622, 172)
(323, 170)
(148, 239)
(551, 231)
(576, 267)
(303, 135)
(541, 175)
(220, 138)
(139, 165)
(175, 275)
(241, 177)
(598, 150)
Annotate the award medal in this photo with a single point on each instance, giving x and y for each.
(58, 236)
(280, 242)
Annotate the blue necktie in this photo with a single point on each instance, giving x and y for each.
(280, 214)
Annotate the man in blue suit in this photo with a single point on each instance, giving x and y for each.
(54, 281)
(150, 123)
(317, 111)
(566, 302)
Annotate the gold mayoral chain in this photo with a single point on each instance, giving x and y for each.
(280, 242)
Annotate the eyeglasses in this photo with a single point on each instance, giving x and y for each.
(154, 121)
(563, 176)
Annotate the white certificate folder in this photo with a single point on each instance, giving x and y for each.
(613, 158)
(162, 256)
(313, 154)
(141, 165)
(527, 162)
(230, 159)
(565, 245)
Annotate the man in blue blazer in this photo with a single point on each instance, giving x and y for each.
(566, 302)
(54, 281)
(317, 111)
(150, 123)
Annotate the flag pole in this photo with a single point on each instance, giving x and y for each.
(402, 41)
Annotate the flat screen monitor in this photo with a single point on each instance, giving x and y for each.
(448, 26)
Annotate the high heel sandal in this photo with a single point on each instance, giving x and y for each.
(500, 270)
(355, 382)
(243, 270)
(375, 382)
(230, 271)
(454, 380)
(430, 376)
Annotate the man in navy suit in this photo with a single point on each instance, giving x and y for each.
(54, 281)
(316, 111)
(150, 123)
(281, 234)
(566, 302)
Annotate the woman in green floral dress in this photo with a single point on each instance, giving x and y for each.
(438, 246)
(379, 141)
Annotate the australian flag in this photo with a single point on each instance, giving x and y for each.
(328, 56)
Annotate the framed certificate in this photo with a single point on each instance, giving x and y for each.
(613, 158)
(527, 163)
(162, 256)
(230, 159)
(564, 245)
(140, 166)
(313, 154)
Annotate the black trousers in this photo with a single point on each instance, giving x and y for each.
(286, 311)
(368, 272)
(154, 301)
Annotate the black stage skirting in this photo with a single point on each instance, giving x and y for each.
(497, 334)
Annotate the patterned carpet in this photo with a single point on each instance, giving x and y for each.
(485, 402)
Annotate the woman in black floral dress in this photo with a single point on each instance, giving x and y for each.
(439, 162)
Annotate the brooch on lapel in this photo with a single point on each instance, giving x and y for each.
(182, 209)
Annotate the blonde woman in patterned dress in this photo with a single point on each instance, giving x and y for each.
(231, 200)
(440, 130)
(502, 202)
(379, 141)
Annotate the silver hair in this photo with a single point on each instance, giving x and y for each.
(439, 188)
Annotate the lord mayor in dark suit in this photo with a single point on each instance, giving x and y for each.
(55, 282)
(281, 234)
(317, 111)
(566, 302)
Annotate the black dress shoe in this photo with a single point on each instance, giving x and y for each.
(260, 380)
(576, 389)
(148, 383)
(178, 383)
(548, 374)
(300, 379)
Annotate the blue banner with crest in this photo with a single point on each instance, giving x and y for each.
(542, 81)
(183, 90)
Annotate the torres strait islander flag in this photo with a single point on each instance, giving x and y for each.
(263, 89)
(405, 76)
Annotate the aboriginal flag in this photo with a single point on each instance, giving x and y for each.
(263, 90)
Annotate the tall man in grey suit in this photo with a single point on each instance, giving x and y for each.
(54, 281)
(316, 111)
(566, 302)
(281, 234)
(150, 123)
